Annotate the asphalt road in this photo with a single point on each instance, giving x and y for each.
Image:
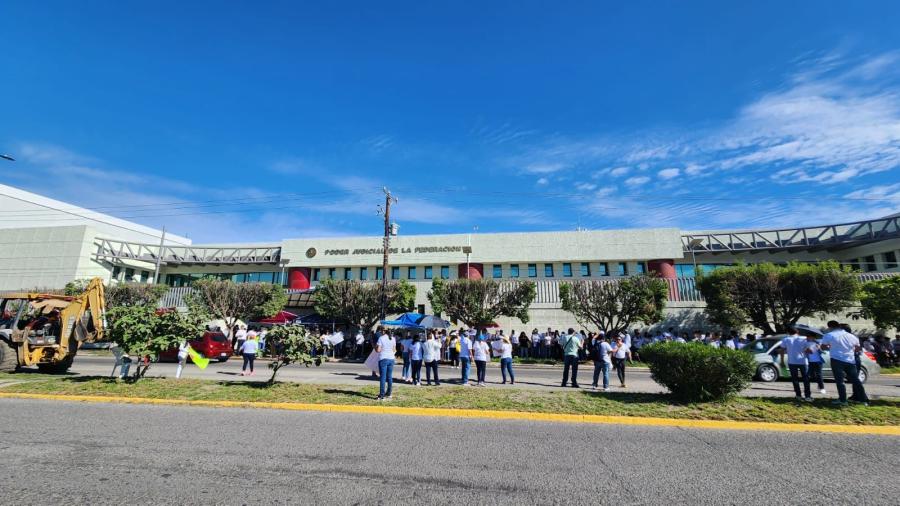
(70, 453)
(530, 377)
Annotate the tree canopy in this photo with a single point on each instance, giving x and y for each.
(774, 297)
(478, 302)
(291, 344)
(880, 301)
(359, 303)
(231, 301)
(614, 305)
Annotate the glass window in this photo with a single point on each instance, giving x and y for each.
(548, 270)
(514, 270)
(585, 269)
(498, 271)
(890, 260)
(348, 273)
(445, 272)
(129, 273)
(145, 276)
(567, 270)
(641, 268)
(118, 270)
(315, 275)
(331, 272)
(622, 269)
(395, 273)
(604, 269)
(363, 273)
(429, 272)
(870, 263)
(411, 273)
(379, 272)
(532, 270)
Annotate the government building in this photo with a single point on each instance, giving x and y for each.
(48, 243)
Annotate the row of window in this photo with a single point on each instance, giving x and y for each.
(497, 271)
(129, 274)
(412, 272)
(245, 277)
(869, 264)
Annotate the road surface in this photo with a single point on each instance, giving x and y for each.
(530, 377)
(69, 453)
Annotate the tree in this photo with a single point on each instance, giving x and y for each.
(359, 303)
(478, 302)
(142, 330)
(231, 301)
(774, 297)
(880, 301)
(292, 345)
(613, 306)
(76, 287)
(133, 294)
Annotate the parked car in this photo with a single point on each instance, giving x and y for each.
(768, 355)
(212, 345)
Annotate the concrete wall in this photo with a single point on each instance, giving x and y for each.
(47, 257)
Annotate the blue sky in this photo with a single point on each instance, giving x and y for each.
(257, 121)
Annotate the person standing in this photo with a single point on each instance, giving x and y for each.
(620, 353)
(248, 351)
(795, 346)
(843, 345)
(814, 362)
(514, 341)
(453, 347)
(506, 354)
(416, 356)
(262, 341)
(601, 352)
(571, 343)
(481, 353)
(405, 347)
(432, 355)
(240, 336)
(386, 347)
(465, 357)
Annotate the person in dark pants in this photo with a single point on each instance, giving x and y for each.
(571, 344)
(248, 352)
(814, 363)
(795, 347)
(602, 362)
(621, 352)
(431, 354)
(843, 345)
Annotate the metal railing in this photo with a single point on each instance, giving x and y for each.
(110, 250)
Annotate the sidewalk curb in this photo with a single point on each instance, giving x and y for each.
(885, 430)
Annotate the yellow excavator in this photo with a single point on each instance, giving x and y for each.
(46, 330)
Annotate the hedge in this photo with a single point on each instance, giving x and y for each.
(695, 372)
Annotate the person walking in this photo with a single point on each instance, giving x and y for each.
(481, 353)
(570, 343)
(432, 355)
(416, 356)
(506, 355)
(248, 351)
(621, 352)
(843, 345)
(601, 353)
(795, 346)
(405, 347)
(386, 347)
(814, 363)
(465, 357)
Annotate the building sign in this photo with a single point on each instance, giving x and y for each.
(395, 251)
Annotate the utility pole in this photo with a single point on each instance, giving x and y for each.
(388, 231)
(159, 254)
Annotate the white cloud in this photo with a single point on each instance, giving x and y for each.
(544, 168)
(669, 173)
(637, 181)
(619, 171)
(585, 186)
(543, 181)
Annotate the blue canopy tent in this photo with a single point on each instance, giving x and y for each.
(417, 321)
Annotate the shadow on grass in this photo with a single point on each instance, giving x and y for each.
(29, 370)
(348, 393)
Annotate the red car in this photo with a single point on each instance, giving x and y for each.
(212, 345)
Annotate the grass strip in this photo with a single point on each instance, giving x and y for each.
(754, 409)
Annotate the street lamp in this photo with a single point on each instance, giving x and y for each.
(694, 242)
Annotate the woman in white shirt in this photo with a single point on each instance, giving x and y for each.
(416, 355)
(482, 354)
(620, 353)
(248, 351)
(506, 350)
(814, 358)
(386, 347)
(431, 353)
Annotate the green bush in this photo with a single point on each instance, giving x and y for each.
(695, 372)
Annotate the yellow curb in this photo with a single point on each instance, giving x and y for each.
(481, 414)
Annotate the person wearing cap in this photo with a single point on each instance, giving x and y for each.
(795, 347)
(506, 354)
(601, 351)
(571, 343)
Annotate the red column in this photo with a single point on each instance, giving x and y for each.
(666, 270)
(475, 271)
(298, 278)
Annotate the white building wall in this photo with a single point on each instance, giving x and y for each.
(47, 257)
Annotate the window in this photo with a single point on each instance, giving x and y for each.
(641, 268)
(498, 271)
(854, 263)
(411, 273)
(548, 270)
(348, 273)
(117, 271)
(623, 269)
(870, 263)
(514, 270)
(331, 272)
(315, 275)
(604, 269)
(421, 308)
(363, 273)
(429, 272)
(129, 274)
(379, 272)
(567, 270)
(445, 272)
(145, 276)
(585, 270)
(890, 260)
(684, 270)
(532, 270)
(395, 273)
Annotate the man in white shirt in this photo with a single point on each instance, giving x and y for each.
(843, 345)
(795, 347)
(602, 352)
(466, 356)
